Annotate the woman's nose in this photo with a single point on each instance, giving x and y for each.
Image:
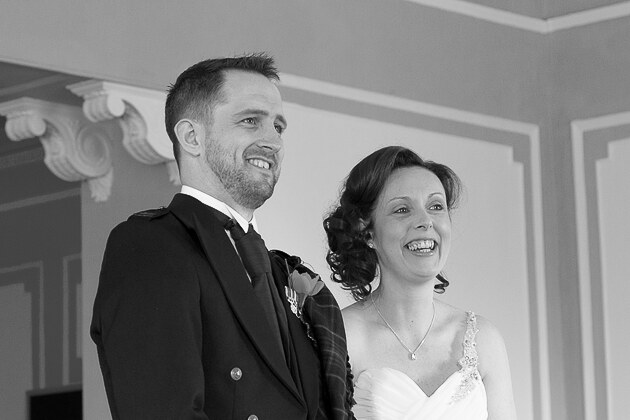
(424, 221)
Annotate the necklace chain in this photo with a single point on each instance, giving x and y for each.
(412, 353)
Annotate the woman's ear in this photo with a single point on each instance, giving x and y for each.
(189, 135)
(367, 233)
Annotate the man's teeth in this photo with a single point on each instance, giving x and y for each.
(260, 163)
(423, 246)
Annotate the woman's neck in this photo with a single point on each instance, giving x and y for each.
(405, 306)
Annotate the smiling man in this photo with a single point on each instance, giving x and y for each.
(193, 318)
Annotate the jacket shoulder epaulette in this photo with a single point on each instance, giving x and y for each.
(151, 213)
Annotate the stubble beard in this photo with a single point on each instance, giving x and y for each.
(244, 188)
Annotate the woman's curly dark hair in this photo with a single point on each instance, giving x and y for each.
(353, 263)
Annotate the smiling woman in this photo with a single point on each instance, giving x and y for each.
(410, 227)
(412, 356)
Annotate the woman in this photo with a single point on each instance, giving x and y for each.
(412, 356)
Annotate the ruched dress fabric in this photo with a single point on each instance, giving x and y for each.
(389, 394)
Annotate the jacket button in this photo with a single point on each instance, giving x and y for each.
(236, 374)
(252, 417)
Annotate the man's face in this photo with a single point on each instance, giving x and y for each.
(244, 147)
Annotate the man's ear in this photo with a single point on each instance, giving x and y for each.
(189, 134)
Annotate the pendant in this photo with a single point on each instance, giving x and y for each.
(412, 356)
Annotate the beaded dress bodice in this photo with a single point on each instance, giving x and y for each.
(389, 394)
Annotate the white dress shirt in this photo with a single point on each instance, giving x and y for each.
(219, 205)
(216, 204)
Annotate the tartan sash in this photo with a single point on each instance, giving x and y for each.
(324, 322)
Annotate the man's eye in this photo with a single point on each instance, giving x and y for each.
(279, 128)
(249, 121)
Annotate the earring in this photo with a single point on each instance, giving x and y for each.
(370, 244)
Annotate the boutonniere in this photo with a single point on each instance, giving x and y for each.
(301, 285)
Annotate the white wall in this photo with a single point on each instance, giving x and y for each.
(601, 164)
(613, 198)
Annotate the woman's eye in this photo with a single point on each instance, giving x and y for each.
(401, 210)
(437, 206)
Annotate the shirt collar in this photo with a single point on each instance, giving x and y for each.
(219, 205)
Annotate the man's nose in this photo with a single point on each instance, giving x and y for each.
(270, 139)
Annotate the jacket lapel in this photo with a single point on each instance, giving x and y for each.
(230, 273)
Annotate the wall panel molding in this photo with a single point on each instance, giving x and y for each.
(585, 158)
(21, 158)
(36, 289)
(71, 320)
(41, 199)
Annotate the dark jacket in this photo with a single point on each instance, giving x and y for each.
(181, 335)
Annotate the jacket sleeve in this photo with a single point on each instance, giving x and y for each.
(147, 325)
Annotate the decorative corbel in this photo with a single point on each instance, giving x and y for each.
(75, 149)
(140, 113)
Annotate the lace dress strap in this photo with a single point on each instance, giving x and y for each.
(469, 361)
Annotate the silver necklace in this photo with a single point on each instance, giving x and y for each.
(412, 353)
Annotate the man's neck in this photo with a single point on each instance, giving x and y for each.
(233, 210)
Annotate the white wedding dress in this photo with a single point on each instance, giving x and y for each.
(389, 394)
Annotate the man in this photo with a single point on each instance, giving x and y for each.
(185, 327)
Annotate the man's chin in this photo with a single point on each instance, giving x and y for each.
(255, 196)
(263, 194)
(265, 183)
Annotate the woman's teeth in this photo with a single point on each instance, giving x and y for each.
(426, 245)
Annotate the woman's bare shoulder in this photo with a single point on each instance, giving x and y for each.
(488, 334)
(490, 346)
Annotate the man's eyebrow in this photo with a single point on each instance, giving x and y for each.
(256, 111)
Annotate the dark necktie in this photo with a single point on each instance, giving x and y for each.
(255, 257)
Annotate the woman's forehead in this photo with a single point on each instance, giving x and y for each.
(412, 181)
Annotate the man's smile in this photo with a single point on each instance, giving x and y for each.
(260, 163)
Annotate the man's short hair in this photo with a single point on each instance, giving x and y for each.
(198, 88)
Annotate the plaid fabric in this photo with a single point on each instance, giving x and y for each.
(323, 316)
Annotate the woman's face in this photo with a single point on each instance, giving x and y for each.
(411, 226)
